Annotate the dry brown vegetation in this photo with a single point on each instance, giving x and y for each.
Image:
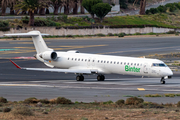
(52, 110)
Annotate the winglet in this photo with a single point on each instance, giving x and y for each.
(16, 65)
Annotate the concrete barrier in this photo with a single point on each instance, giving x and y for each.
(62, 31)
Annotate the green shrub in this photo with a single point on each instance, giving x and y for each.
(151, 33)
(134, 101)
(86, 18)
(169, 95)
(153, 105)
(152, 95)
(4, 23)
(3, 100)
(110, 34)
(120, 102)
(45, 101)
(63, 100)
(63, 18)
(162, 9)
(25, 19)
(121, 34)
(22, 110)
(153, 10)
(123, 4)
(148, 12)
(58, 24)
(100, 35)
(178, 104)
(108, 102)
(69, 36)
(6, 109)
(171, 32)
(31, 100)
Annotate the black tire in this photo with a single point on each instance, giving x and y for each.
(82, 78)
(98, 78)
(78, 78)
(102, 77)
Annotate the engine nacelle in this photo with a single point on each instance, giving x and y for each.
(49, 55)
(73, 51)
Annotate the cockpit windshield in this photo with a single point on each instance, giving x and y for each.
(159, 65)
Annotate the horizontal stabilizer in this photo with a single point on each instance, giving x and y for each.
(29, 34)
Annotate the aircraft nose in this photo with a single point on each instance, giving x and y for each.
(169, 72)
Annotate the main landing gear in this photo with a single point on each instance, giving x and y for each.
(162, 80)
(80, 78)
(100, 78)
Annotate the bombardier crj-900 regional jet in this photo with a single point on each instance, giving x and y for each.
(86, 64)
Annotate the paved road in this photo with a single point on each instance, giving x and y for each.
(111, 46)
(17, 84)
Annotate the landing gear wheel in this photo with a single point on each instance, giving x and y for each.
(162, 81)
(100, 78)
(80, 78)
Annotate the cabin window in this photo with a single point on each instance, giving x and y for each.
(72, 58)
(82, 60)
(75, 59)
(78, 59)
(104, 61)
(125, 63)
(117, 62)
(98, 61)
(107, 61)
(111, 62)
(101, 61)
(138, 64)
(89, 60)
(121, 63)
(93, 60)
(141, 64)
(131, 63)
(114, 62)
(134, 64)
(68, 58)
(85, 60)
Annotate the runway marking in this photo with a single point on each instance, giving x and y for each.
(24, 42)
(7, 49)
(32, 49)
(19, 85)
(141, 89)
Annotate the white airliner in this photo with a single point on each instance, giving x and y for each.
(86, 64)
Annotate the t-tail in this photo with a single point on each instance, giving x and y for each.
(43, 52)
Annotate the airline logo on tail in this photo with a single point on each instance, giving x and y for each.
(131, 69)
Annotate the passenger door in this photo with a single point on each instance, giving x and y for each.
(145, 68)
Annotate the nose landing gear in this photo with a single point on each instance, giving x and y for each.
(162, 80)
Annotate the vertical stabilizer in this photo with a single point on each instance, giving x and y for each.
(38, 41)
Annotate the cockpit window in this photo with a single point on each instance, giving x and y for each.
(159, 65)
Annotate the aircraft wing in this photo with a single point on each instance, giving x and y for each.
(80, 71)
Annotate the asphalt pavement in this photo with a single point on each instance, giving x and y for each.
(16, 84)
